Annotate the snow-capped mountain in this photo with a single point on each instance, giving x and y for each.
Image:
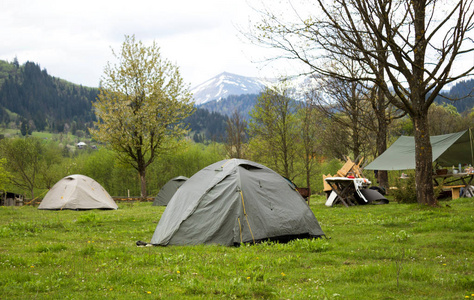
(227, 84)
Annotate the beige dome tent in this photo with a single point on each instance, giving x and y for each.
(77, 192)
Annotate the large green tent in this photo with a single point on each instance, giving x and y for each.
(232, 202)
(448, 150)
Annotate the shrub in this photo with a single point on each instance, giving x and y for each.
(405, 191)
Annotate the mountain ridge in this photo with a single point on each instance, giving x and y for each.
(218, 93)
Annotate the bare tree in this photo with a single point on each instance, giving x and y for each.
(310, 123)
(236, 128)
(419, 39)
(346, 102)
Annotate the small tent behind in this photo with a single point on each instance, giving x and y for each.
(232, 202)
(448, 150)
(168, 190)
(77, 192)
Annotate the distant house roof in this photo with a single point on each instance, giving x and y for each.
(81, 144)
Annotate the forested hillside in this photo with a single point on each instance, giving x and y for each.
(242, 103)
(45, 102)
(207, 126)
(463, 94)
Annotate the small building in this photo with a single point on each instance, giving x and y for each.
(81, 145)
(11, 199)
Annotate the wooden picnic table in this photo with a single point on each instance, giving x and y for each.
(345, 188)
(446, 181)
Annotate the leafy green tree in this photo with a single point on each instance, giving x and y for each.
(447, 119)
(310, 122)
(100, 165)
(4, 174)
(141, 102)
(23, 161)
(186, 160)
(24, 128)
(273, 128)
(50, 161)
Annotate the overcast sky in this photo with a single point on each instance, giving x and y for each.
(72, 40)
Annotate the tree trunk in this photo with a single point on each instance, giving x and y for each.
(308, 176)
(381, 114)
(423, 159)
(382, 176)
(142, 174)
(142, 183)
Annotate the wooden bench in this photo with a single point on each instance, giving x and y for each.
(455, 190)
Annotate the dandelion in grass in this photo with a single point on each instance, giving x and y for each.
(32, 266)
(283, 274)
(148, 292)
(178, 272)
(248, 278)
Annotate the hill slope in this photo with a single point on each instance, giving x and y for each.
(464, 91)
(48, 102)
(30, 94)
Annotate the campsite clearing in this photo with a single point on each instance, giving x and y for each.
(395, 251)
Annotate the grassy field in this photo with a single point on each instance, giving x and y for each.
(394, 251)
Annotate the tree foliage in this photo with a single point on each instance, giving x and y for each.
(23, 161)
(141, 102)
(446, 119)
(4, 174)
(273, 128)
(207, 125)
(311, 123)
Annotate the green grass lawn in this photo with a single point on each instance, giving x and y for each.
(394, 251)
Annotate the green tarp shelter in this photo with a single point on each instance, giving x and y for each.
(167, 191)
(77, 192)
(232, 202)
(448, 150)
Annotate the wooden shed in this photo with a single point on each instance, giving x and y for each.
(11, 199)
